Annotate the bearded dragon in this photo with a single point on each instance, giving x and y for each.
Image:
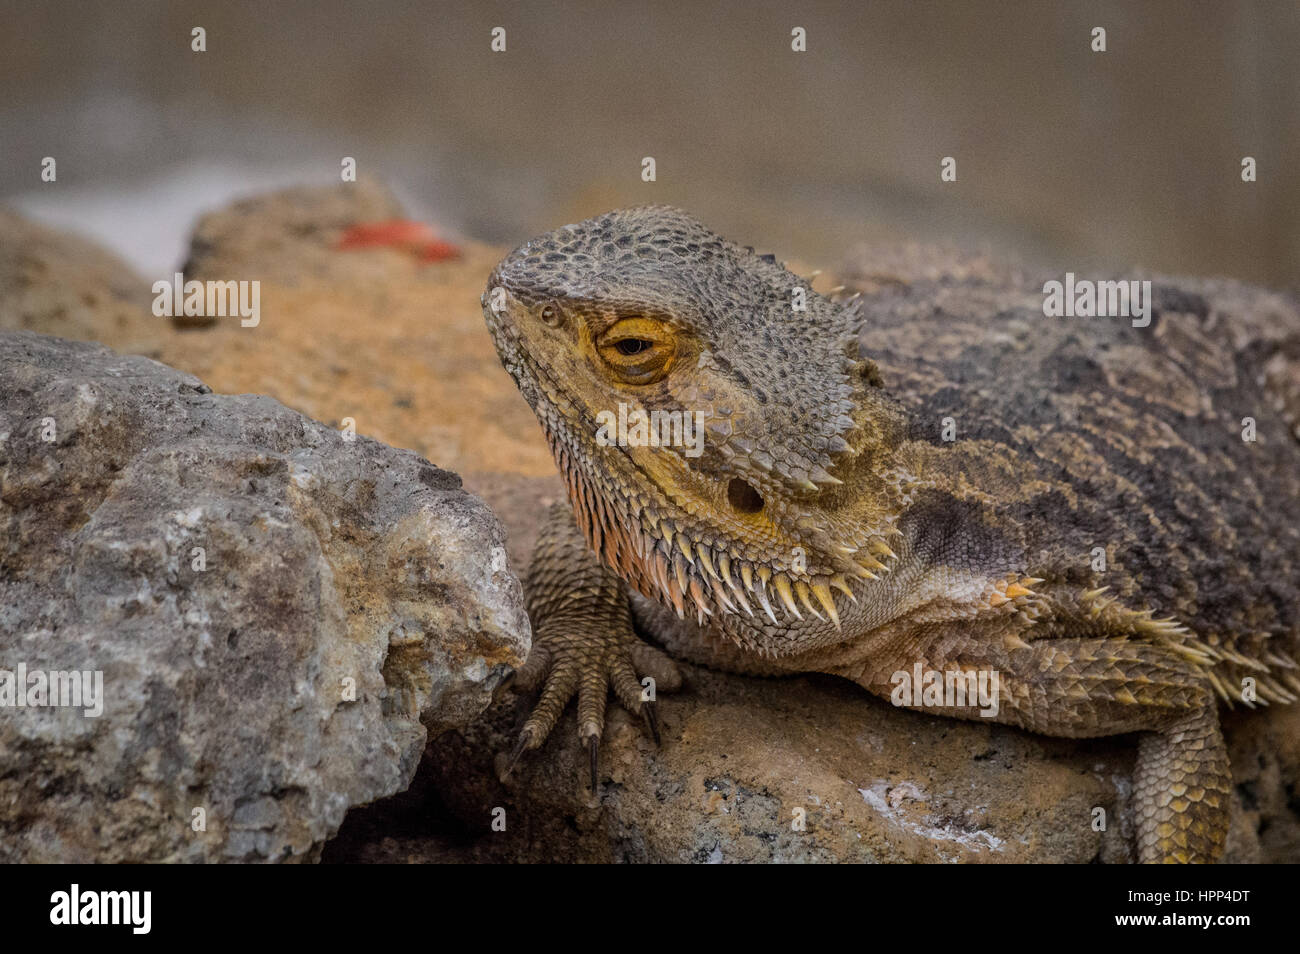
(1099, 534)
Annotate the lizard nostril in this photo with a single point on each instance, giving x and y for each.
(744, 497)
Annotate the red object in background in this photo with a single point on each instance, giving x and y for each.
(403, 234)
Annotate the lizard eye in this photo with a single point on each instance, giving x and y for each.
(550, 316)
(637, 350)
(630, 346)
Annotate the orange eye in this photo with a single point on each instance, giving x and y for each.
(637, 350)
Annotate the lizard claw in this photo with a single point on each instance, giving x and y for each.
(651, 712)
(589, 664)
(520, 747)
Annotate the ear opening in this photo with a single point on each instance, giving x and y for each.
(743, 497)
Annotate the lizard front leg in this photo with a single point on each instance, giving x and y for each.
(1089, 687)
(583, 641)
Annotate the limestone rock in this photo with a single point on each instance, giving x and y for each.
(281, 615)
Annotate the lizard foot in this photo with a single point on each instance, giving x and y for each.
(588, 664)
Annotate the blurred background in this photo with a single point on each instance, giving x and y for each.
(1065, 157)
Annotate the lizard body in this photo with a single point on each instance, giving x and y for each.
(1100, 536)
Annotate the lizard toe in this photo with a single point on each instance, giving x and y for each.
(561, 681)
(653, 662)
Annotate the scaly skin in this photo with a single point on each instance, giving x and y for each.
(827, 526)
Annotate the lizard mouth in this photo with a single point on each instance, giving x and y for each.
(693, 570)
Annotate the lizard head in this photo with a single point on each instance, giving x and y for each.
(722, 440)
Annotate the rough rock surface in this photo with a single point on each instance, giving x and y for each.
(401, 346)
(282, 615)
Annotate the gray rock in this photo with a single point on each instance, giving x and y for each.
(281, 616)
